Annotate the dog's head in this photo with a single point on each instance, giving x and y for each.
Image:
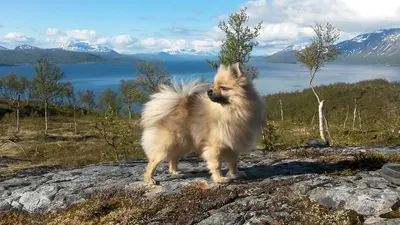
(230, 84)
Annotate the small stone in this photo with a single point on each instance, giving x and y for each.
(391, 215)
(16, 205)
(317, 143)
(221, 218)
(396, 206)
(4, 205)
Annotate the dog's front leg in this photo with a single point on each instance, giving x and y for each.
(213, 157)
(232, 158)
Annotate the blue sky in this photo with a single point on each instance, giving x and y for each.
(154, 25)
(111, 17)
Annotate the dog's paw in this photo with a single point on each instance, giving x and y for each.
(238, 174)
(221, 180)
(176, 172)
(150, 181)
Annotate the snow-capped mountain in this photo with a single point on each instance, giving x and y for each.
(25, 47)
(3, 48)
(83, 46)
(188, 52)
(381, 46)
(383, 42)
(291, 48)
(286, 55)
(176, 55)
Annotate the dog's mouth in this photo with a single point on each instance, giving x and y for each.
(217, 98)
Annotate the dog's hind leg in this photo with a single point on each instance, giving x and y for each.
(151, 168)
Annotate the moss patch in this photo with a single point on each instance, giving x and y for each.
(192, 205)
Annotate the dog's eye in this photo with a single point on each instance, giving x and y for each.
(224, 88)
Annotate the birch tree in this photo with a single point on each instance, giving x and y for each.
(46, 84)
(321, 50)
(108, 98)
(239, 42)
(87, 99)
(69, 93)
(130, 95)
(11, 87)
(150, 74)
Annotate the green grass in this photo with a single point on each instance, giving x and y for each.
(62, 147)
(377, 119)
(377, 124)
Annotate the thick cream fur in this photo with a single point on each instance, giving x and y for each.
(180, 119)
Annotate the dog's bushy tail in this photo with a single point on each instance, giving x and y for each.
(168, 98)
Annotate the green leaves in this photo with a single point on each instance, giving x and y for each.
(108, 98)
(239, 38)
(87, 99)
(322, 48)
(45, 85)
(239, 42)
(150, 74)
(11, 86)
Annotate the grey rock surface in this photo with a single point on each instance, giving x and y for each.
(366, 192)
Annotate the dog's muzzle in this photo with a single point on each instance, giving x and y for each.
(216, 97)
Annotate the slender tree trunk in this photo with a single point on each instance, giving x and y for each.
(280, 102)
(45, 117)
(263, 136)
(17, 128)
(75, 118)
(116, 153)
(130, 114)
(320, 110)
(312, 119)
(355, 112)
(359, 119)
(347, 116)
(321, 120)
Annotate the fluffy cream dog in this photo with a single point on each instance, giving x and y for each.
(220, 123)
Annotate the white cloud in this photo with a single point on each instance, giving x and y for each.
(19, 38)
(57, 37)
(88, 35)
(120, 43)
(293, 17)
(85, 35)
(205, 45)
(55, 32)
(290, 21)
(215, 33)
(153, 43)
(284, 22)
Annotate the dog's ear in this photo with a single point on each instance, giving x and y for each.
(222, 67)
(236, 70)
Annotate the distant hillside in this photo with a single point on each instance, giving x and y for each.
(26, 54)
(84, 52)
(378, 101)
(177, 55)
(284, 56)
(379, 47)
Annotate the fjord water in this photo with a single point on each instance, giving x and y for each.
(273, 77)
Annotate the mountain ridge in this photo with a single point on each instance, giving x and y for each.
(381, 46)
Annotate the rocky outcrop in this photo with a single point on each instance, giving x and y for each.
(269, 193)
